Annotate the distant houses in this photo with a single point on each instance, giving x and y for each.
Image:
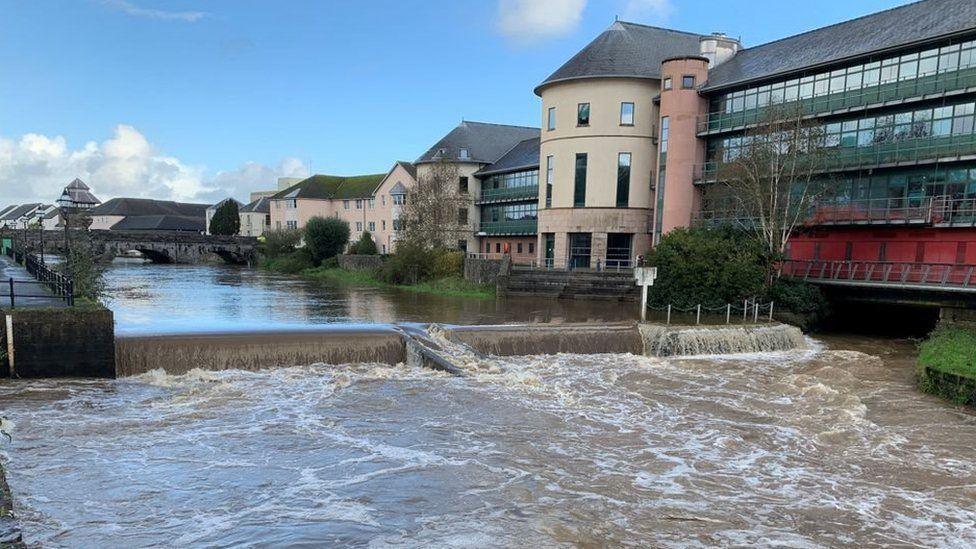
(146, 214)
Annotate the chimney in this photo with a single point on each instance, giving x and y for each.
(717, 48)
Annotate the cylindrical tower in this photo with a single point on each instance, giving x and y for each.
(680, 148)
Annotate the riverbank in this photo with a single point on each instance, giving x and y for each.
(10, 536)
(454, 286)
(947, 363)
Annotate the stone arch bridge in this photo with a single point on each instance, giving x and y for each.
(176, 247)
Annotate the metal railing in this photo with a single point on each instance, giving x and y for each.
(882, 273)
(597, 265)
(59, 286)
(824, 105)
(508, 193)
(750, 311)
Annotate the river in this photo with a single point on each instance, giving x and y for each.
(825, 447)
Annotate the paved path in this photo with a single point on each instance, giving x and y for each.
(24, 283)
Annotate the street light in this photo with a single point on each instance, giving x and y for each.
(39, 214)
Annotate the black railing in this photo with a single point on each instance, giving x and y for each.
(59, 286)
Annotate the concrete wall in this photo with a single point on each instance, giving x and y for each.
(360, 262)
(69, 342)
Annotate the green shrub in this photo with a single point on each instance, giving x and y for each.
(412, 263)
(281, 242)
(448, 263)
(364, 246)
(708, 266)
(326, 237)
(798, 297)
(293, 263)
(226, 220)
(947, 363)
(331, 263)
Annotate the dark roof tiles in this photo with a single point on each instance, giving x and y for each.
(148, 206)
(626, 50)
(524, 155)
(884, 30)
(160, 223)
(484, 142)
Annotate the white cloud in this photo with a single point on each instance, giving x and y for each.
(648, 10)
(35, 168)
(526, 21)
(132, 9)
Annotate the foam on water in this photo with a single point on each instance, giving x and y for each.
(803, 448)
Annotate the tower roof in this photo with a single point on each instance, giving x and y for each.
(484, 142)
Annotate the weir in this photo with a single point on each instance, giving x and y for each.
(447, 348)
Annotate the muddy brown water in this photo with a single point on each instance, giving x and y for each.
(831, 446)
(826, 447)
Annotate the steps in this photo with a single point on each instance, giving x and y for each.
(579, 284)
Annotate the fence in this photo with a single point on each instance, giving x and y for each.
(936, 275)
(58, 286)
(751, 311)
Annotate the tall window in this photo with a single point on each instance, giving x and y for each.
(372, 226)
(626, 114)
(462, 184)
(579, 192)
(549, 181)
(661, 177)
(345, 204)
(623, 179)
(551, 121)
(666, 85)
(583, 114)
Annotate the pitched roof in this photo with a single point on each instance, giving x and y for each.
(408, 166)
(884, 30)
(160, 223)
(6, 210)
(485, 142)
(524, 155)
(328, 187)
(222, 202)
(21, 211)
(261, 205)
(79, 193)
(626, 50)
(148, 206)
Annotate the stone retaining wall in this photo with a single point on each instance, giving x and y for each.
(68, 342)
(483, 271)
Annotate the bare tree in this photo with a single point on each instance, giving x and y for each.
(775, 177)
(435, 214)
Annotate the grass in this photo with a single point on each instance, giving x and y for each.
(449, 286)
(947, 363)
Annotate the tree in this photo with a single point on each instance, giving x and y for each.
(81, 257)
(365, 245)
(226, 220)
(775, 177)
(281, 242)
(325, 237)
(432, 215)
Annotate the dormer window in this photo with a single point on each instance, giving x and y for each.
(463, 154)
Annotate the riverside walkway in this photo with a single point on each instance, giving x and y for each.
(28, 292)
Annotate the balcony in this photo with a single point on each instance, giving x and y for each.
(908, 152)
(519, 227)
(508, 194)
(883, 95)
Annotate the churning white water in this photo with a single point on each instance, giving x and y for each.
(803, 448)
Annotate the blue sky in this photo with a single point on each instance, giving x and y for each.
(195, 99)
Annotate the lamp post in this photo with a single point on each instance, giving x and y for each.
(40, 227)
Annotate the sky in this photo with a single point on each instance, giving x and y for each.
(197, 100)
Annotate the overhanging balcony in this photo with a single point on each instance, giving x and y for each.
(508, 194)
(883, 95)
(518, 227)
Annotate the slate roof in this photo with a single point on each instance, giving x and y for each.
(330, 187)
(409, 167)
(79, 193)
(20, 211)
(261, 205)
(626, 50)
(221, 203)
(148, 206)
(160, 223)
(523, 156)
(6, 210)
(485, 142)
(884, 30)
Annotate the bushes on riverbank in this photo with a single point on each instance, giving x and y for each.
(724, 265)
(947, 363)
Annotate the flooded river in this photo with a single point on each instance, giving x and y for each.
(828, 447)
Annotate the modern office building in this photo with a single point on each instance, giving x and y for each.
(634, 125)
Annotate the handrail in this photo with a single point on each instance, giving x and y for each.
(521, 226)
(509, 193)
(61, 285)
(894, 273)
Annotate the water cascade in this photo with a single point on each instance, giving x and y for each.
(665, 341)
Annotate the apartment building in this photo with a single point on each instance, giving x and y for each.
(256, 216)
(635, 124)
(367, 202)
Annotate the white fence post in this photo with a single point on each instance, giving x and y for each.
(728, 313)
(698, 316)
(669, 314)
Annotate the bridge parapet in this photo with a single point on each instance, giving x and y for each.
(159, 247)
(942, 277)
